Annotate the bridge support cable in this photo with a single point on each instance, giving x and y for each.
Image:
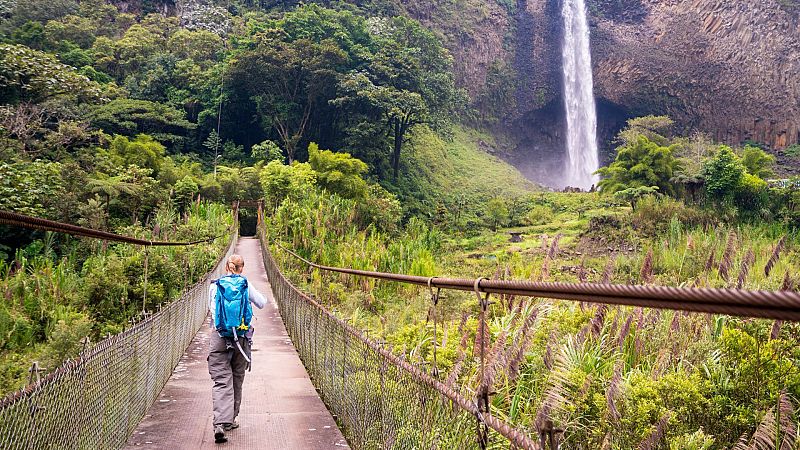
(36, 223)
(97, 399)
(778, 305)
(379, 399)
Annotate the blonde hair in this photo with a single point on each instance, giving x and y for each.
(235, 264)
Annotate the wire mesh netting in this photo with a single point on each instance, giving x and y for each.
(379, 400)
(96, 400)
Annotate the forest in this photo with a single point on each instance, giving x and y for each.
(346, 120)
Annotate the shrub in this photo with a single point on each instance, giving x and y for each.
(539, 215)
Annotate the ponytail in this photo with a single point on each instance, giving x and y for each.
(235, 264)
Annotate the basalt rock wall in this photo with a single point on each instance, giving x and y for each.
(729, 68)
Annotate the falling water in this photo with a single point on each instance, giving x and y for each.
(579, 97)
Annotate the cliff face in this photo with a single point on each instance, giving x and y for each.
(729, 68)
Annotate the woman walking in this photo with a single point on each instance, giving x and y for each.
(229, 300)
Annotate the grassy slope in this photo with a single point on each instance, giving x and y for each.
(459, 170)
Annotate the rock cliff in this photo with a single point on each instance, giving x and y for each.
(729, 68)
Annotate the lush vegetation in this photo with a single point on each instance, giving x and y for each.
(612, 377)
(346, 120)
(144, 123)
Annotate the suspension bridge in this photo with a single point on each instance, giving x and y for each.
(316, 383)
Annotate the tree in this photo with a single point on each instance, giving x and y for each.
(691, 154)
(400, 109)
(757, 161)
(130, 117)
(642, 163)
(41, 10)
(143, 151)
(497, 212)
(339, 173)
(28, 75)
(650, 127)
(280, 181)
(266, 151)
(110, 187)
(31, 188)
(634, 194)
(723, 174)
(287, 81)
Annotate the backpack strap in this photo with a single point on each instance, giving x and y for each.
(220, 306)
(244, 302)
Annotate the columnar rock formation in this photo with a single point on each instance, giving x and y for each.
(730, 68)
(727, 67)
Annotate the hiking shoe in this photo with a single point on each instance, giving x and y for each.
(231, 426)
(219, 434)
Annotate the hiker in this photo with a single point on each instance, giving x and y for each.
(229, 301)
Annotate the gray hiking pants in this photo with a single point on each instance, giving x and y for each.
(226, 365)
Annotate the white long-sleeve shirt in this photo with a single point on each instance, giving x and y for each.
(256, 298)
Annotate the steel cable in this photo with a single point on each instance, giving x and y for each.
(21, 220)
(779, 305)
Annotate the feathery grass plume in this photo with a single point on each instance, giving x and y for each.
(765, 435)
(613, 392)
(776, 254)
(747, 262)
(455, 371)
(638, 345)
(462, 330)
(510, 302)
(462, 350)
(652, 317)
(623, 333)
(514, 319)
(615, 323)
(482, 337)
(639, 317)
(551, 254)
(545, 274)
(608, 272)
(587, 384)
(689, 243)
(676, 323)
(598, 319)
(654, 438)
(548, 352)
(521, 342)
(777, 433)
(727, 257)
(580, 338)
(788, 282)
(787, 422)
(742, 443)
(646, 274)
(664, 360)
(709, 261)
(554, 397)
(788, 285)
(494, 359)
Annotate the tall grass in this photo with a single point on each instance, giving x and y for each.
(52, 302)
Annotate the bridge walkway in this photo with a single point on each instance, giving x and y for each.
(280, 407)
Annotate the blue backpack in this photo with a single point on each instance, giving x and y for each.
(234, 313)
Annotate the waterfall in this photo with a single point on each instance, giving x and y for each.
(582, 158)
